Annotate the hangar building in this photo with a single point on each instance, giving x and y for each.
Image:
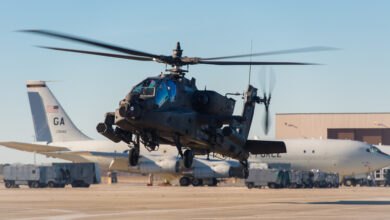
(373, 128)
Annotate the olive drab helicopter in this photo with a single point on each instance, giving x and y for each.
(169, 109)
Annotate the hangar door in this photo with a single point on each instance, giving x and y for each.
(368, 135)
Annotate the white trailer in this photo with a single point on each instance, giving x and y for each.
(54, 175)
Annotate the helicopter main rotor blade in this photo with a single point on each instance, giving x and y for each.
(251, 63)
(298, 50)
(100, 54)
(94, 43)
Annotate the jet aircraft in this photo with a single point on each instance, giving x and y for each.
(344, 157)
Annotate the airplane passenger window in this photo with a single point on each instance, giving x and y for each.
(313, 151)
(304, 151)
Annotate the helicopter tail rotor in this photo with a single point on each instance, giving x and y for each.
(270, 79)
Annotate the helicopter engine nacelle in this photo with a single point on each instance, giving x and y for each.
(211, 102)
(234, 136)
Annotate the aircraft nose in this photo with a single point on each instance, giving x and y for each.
(381, 159)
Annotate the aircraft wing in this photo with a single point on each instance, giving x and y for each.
(32, 147)
(120, 162)
(265, 147)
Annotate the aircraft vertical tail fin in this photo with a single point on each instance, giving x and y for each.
(248, 110)
(51, 123)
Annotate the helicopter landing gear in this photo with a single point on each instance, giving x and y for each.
(134, 153)
(188, 155)
(245, 169)
(133, 157)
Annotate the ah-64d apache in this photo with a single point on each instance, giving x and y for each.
(169, 109)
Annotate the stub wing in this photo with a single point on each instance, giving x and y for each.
(265, 147)
(38, 148)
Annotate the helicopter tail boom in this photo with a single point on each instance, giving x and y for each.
(251, 99)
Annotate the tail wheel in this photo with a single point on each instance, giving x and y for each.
(188, 157)
(184, 181)
(133, 157)
(197, 182)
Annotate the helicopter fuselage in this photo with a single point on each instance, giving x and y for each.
(168, 109)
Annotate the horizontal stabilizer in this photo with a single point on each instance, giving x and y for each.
(33, 147)
(265, 147)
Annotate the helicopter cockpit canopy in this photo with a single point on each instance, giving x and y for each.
(162, 90)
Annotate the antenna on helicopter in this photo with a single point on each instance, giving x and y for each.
(250, 66)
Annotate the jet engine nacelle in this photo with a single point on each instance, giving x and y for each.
(162, 166)
(217, 171)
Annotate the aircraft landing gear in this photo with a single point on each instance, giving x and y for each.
(133, 157)
(184, 181)
(245, 170)
(188, 155)
(134, 153)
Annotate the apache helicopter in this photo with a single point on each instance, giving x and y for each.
(169, 109)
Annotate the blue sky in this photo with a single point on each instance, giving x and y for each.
(353, 79)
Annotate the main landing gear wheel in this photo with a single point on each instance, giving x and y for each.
(188, 157)
(184, 181)
(133, 157)
(197, 182)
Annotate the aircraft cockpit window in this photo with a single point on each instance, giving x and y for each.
(171, 86)
(146, 88)
(374, 149)
(162, 94)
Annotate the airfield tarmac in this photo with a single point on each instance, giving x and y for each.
(134, 200)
